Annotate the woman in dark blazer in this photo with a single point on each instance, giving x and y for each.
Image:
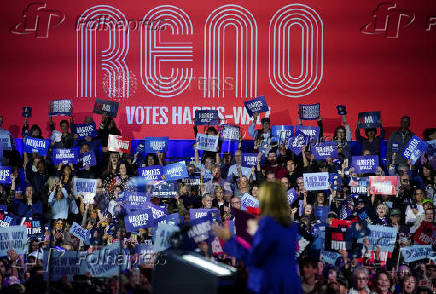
(271, 258)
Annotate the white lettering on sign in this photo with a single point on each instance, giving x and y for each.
(36, 143)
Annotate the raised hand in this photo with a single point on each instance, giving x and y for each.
(255, 116)
(104, 116)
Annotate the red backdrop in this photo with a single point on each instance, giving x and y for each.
(368, 55)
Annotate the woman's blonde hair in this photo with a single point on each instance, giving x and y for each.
(51, 182)
(240, 180)
(274, 202)
(216, 190)
(385, 207)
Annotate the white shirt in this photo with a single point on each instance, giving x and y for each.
(410, 216)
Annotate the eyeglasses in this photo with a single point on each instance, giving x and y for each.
(362, 279)
(235, 202)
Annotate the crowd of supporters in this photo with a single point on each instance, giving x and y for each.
(40, 190)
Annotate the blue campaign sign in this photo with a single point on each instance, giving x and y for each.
(60, 107)
(104, 263)
(330, 257)
(201, 229)
(324, 150)
(282, 133)
(193, 179)
(136, 200)
(316, 181)
(80, 233)
(256, 105)
(146, 252)
(248, 201)
(171, 219)
(34, 145)
(230, 133)
(156, 144)
(383, 237)
(359, 185)
(5, 175)
(395, 147)
(206, 142)
(139, 147)
(309, 111)
(311, 131)
(416, 252)
(292, 196)
(56, 136)
(87, 158)
(6, 219)
(63, 263)
(206, 117)
(151, 173)
(368, 120)
(365, 164)
(175, 171)
(157, 211)
(13, 237)
(195, 213)
(264, 148)
(297, 142)
(65, 155)
(249, 159)
(27, 111)
(414, 149)
(110, 107)
(213, 214)
(138, 219)
(5, 141)
(34, 229)
(164, 189)
(83, 186)
(85, 130)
